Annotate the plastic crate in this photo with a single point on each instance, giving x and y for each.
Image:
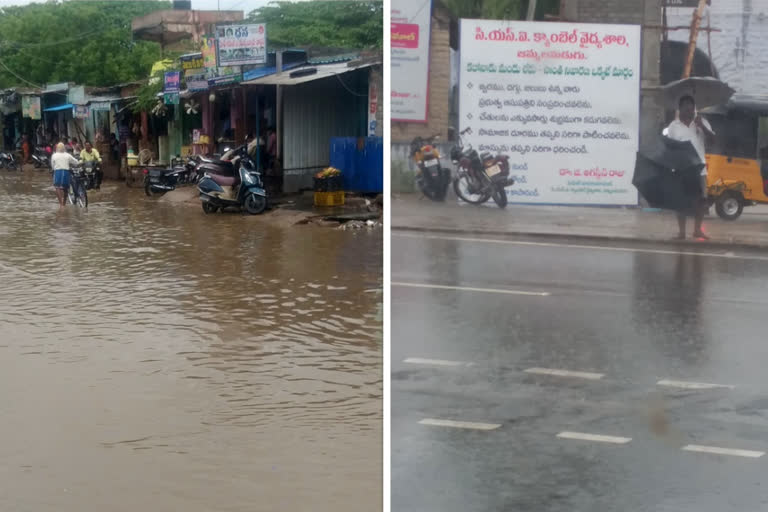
(329, 198)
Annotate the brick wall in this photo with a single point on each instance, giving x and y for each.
(438, 108)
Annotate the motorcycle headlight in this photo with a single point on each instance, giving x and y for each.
(249, 178)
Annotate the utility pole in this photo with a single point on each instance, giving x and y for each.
(531, 10)
(698, 14)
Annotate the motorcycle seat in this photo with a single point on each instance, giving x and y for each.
(225, 181)
(214, 161)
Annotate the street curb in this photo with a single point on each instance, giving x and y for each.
(711, 244)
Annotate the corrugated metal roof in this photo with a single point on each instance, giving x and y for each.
(322, 72)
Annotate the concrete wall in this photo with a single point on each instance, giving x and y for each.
(438, 107)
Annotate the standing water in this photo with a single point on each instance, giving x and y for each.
(155, 358)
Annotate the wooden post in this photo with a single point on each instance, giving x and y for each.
(695, 25)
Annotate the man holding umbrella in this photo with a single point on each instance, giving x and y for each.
(691, 127)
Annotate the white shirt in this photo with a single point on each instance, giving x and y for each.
(62, 161)
(678, 130)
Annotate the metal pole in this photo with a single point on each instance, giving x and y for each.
(279, 107)
(531, 10)
(695, 25)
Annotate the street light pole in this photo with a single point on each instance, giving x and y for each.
(698, 14)
(531, 10)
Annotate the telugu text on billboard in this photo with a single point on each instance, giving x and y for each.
(561, 100)
(409, 64)
(241, 45)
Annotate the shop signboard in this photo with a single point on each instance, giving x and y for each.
(171, 98)
(30, 107)
(227, 75)
(560, 100)
(373, 107)
(191, 61)
(100, 106)
(196, 80)
(681, 3)
(239, 45)
(172, 83)
(76, 95)
(409, 65)
(82, 112)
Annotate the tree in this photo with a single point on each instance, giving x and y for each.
(323, 23)
(96, 49)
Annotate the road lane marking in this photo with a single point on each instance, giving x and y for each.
(565, 373)
(434, 362)
(594, 437)
(470, 289)
(692, 385)
(726, 255)
(723, 451)
(459, 424)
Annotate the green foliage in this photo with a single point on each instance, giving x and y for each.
(322, 23)
(146, 96)
(403, 181)
(81, 41)
(500, 9)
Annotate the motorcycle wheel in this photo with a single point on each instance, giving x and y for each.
(255, 204)
(37, 164)
(500, 196)
(461, 187)
(82, 198)
(209, 208)
(425, 189)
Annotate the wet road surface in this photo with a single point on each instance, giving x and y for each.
(559, 377)
(154, 358)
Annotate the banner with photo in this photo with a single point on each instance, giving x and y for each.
(241, 45)
(30, 107)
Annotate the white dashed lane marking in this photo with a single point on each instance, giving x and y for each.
(565, 373)
(470, 289)
(434, 362)
(691, 385)
(459, 424)
(723, 451)
(597, 438)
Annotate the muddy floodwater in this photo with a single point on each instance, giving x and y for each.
(153, 358)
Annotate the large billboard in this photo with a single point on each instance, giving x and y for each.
(409, 68)
(561, 100)
(240, 45)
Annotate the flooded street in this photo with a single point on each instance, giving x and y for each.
(154, 358)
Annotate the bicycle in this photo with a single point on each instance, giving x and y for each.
(76, 193)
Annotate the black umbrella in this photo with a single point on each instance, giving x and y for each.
(667, 174)
(706, 91)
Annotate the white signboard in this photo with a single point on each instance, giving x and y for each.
(561, 100)
(410, 30)
(239, 45)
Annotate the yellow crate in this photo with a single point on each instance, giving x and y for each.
(329, 198)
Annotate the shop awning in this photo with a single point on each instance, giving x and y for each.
(299, 76)
(68, 106)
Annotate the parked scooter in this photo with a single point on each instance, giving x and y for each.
(431, 178)
(480, 176)
(234, 183)
(8, 161)
(160, 181)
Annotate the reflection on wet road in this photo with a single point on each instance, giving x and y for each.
(553, 377)
(154, 358)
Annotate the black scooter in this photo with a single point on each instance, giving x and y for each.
(160, 181)
(235, 183)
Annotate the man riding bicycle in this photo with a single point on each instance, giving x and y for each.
(90, 154)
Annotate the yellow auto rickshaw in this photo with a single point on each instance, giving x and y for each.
(737, 161)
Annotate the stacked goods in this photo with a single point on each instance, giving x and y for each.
(328, 180)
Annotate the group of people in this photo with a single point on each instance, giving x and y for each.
(62, 162)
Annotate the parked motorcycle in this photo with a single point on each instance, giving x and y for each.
(480, 177)
(8, 161)
(160, 181)
(431, 178)
(41, 157)
(231, 183)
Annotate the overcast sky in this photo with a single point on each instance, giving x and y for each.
(201, 5)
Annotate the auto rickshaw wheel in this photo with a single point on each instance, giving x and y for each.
(729, 206)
